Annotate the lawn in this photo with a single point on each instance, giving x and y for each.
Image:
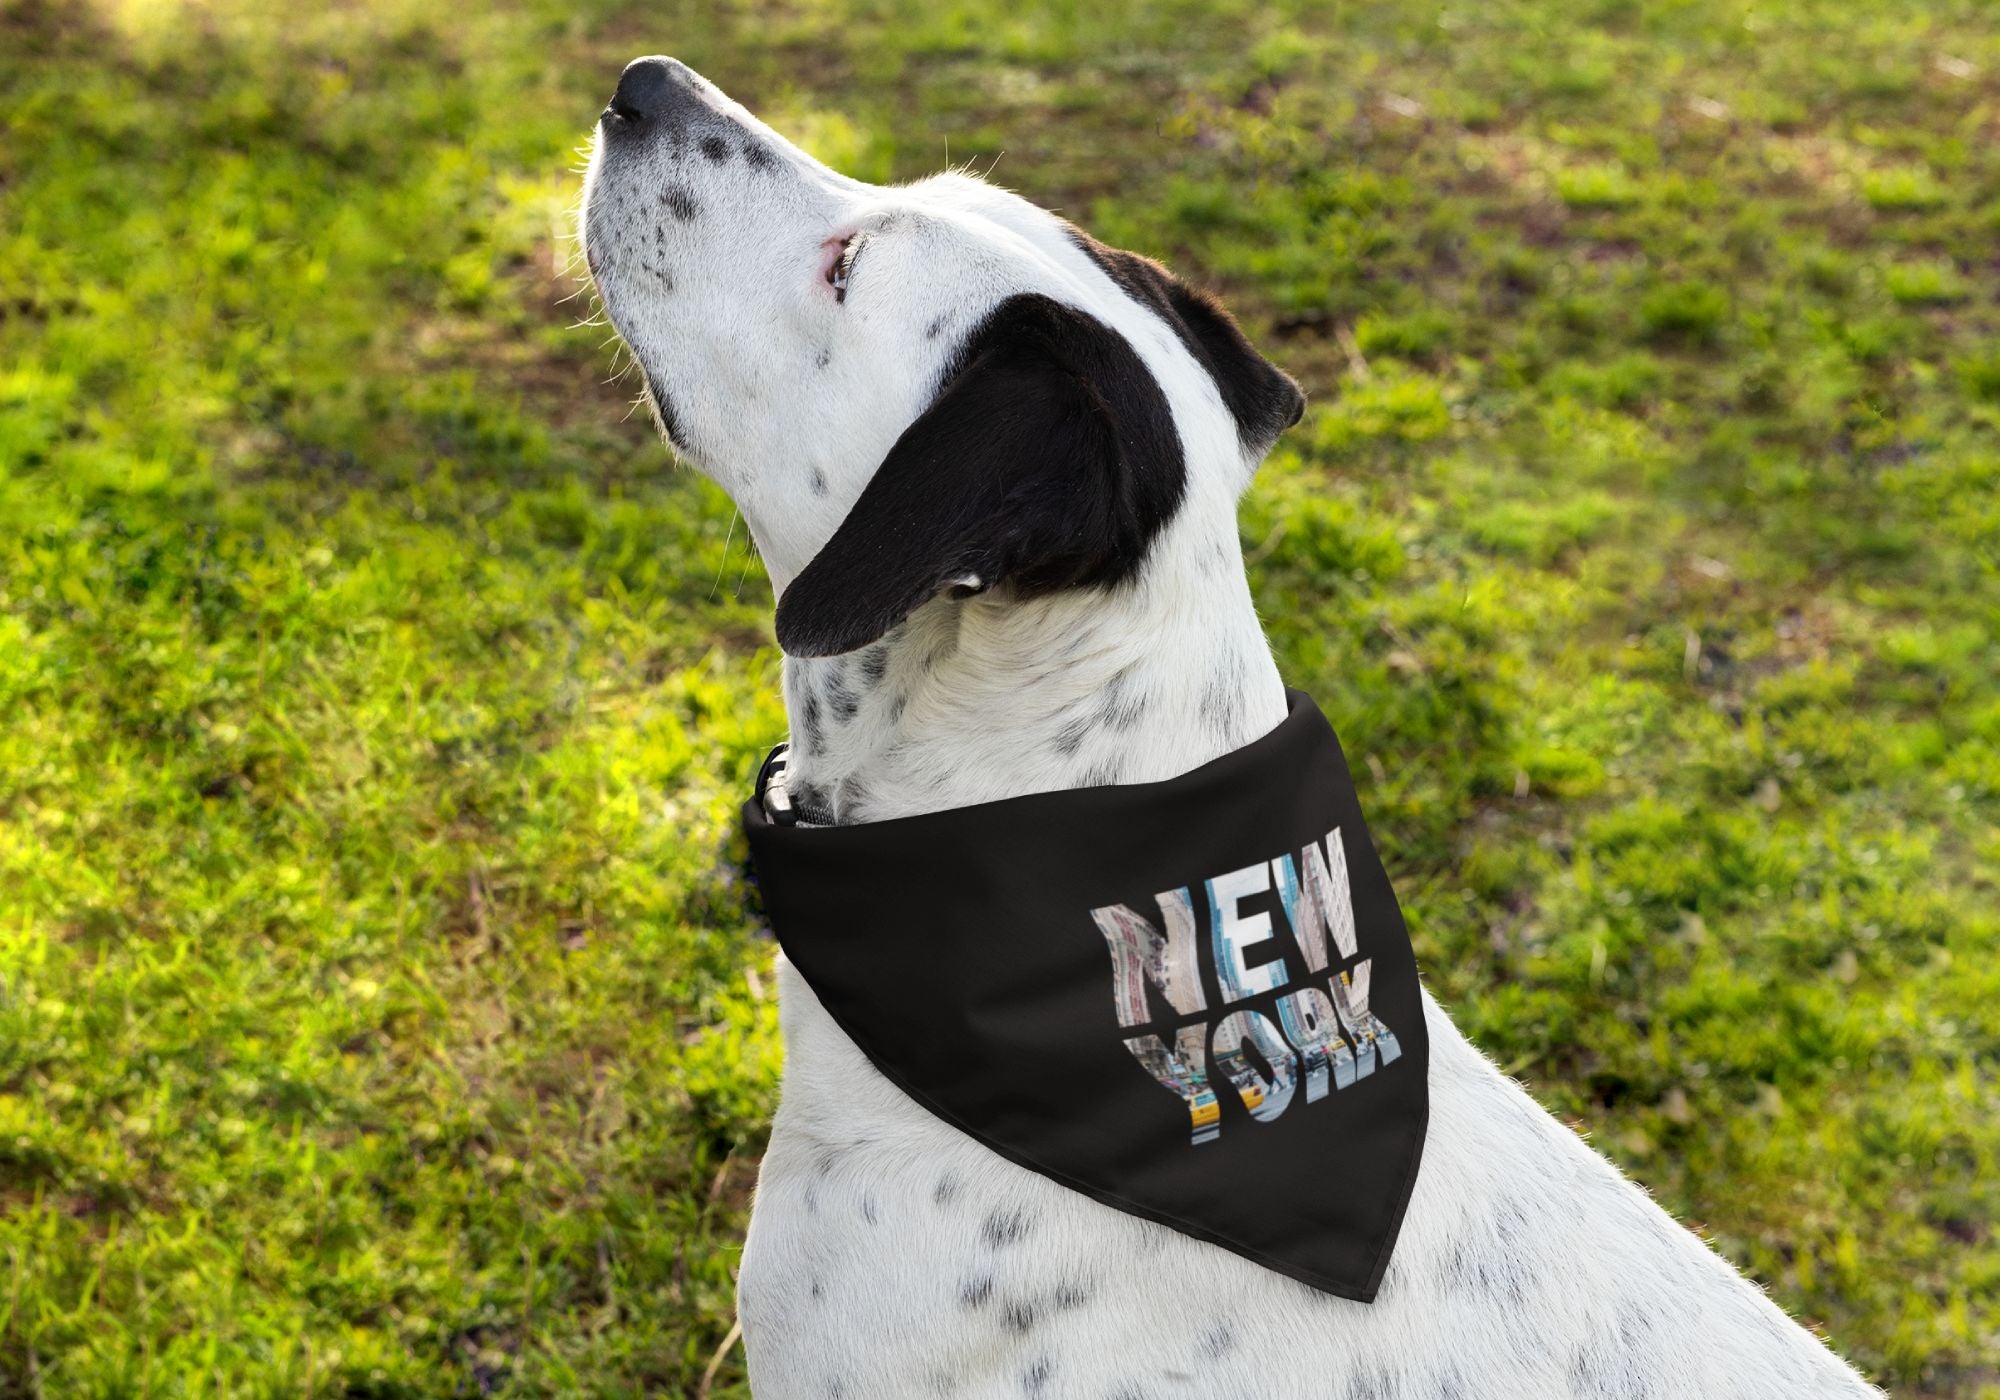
(381, 1012)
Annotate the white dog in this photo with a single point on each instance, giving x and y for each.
(1045, 614)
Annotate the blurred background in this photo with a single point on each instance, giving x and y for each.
(380, 1009)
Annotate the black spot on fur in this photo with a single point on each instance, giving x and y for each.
(896, 708)
(818, 1290)
(1371, 1385)
(1005, 1227)
(715, 148)
(817, 482)
(1071, 736)
(680, 202)
(840, 697)
(1494, 1258)
(934, 329)
(1048, 460)
(1121, 707)
(823, 359)
(1018, 1317)
(812, 728)
(946, 1191)
(1071, 1295)
(759, 155)
(868, 1212)
(1035, 1379)
(1445, 1385)
(976, 1293)
(1216, 1343)
(1103, 774)
(874, 666)
(1262, 398)
(850, 798)
(1619, 1363)
(1218, 701)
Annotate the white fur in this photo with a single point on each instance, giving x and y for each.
(891, 1256)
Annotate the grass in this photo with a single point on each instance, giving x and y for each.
(380, 1012)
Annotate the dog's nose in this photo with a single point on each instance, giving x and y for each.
(651, 88)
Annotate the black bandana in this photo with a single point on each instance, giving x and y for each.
(1192, 1000)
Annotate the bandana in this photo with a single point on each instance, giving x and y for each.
(1192, 1000)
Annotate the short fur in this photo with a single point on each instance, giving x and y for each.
(1111, 639)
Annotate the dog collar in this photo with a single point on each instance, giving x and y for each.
(1192, 1000)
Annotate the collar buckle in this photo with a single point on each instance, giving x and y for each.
(771, 791)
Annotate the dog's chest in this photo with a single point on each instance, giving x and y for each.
(891, 1256)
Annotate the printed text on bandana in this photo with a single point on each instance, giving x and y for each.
(1319, 1031)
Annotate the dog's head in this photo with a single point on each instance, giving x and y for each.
(935, 388)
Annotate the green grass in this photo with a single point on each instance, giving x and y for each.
(380, 1013)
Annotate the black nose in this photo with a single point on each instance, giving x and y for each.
(651, 88)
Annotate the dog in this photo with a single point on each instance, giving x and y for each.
(1062, 603)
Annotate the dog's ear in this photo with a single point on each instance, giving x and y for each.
(1262, 398)
(1048, 460)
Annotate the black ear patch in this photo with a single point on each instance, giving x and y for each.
(1048, 460)
(1262, 398)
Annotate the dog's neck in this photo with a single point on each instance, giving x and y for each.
(972, 701)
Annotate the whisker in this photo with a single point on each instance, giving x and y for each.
(720, 568)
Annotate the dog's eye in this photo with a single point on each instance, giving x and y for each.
(843, 267)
